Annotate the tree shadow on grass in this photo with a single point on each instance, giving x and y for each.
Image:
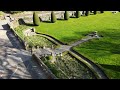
(112, 67)
(61, 19)
(72, 17)
(22, 22)
(29, 24)
(46, 21)
(103, 43)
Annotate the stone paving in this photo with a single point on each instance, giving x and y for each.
(15, 62)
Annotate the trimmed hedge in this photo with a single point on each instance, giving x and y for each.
(86, 13)
(77, 14)
(66, 15)
(53, 17)
(95, 12)
(101, 11)
(36, 20)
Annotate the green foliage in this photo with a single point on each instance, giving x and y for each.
(77, 14)
(49, 57)
(86, 13)
(95, 12)
(53, 17)
(66, 15)
(74, 29)
(101, 51)
(39, 41)
(68, 67)
(101, 11)
(104, 52)
(36, 20)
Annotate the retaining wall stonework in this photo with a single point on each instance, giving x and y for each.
(47, 71)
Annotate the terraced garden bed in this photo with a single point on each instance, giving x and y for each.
(35, 40)
(68, 67)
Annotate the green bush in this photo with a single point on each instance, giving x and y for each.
(66, 15)
(95, 12)
(101, 11)
(36, 20)
(77, 14)
(53, 17)
(49, 57)
(86, 13)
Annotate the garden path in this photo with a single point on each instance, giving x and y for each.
(63, 48)
(15, 62)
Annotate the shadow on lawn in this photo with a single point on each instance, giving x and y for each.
(61, 19)
(29, 24)
(112, 67)
(22, 22)
(72, 17)
(46, 21)
(107, 43)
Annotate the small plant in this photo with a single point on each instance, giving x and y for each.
(53, 17)
(49, 57)
(66, 15)
(77, 14)
(36, 21)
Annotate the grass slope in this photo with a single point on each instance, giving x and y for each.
(105, 52)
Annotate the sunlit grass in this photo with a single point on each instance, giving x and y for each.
(105, 52)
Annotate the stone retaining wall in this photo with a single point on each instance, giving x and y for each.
(47, 71)
(20, 40)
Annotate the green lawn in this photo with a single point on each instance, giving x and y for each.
(105, 52)
(75, 28)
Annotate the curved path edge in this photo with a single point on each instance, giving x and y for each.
(99, 73)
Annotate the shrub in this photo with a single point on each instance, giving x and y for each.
(53, 18)
(95, 12)
(86, 13)
(66, 15)
(77, 14)
(49, 57)
(101, 11)
(36, 21)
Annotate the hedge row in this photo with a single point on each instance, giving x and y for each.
(36, 20)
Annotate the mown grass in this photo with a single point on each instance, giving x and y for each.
(75, 28)
(104, 52)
